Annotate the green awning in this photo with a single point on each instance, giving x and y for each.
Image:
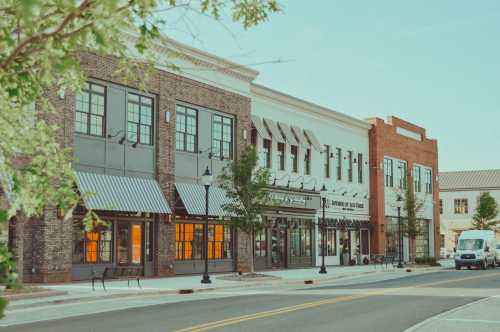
(121, 193)
(192, 196)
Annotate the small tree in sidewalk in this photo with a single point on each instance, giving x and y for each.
(245, 185)
(486, 212)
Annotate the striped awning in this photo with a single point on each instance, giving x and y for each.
(300, 136)
(290, 138)
(312, 138)
(275, 132)
(121, 193)
(192, 196)
(259, 126)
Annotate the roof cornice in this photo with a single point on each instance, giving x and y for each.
(263, 91)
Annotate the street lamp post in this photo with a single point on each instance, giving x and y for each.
(323, 194)
(399, 202)
(206, 178)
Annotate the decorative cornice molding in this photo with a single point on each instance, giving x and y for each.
(274, 95)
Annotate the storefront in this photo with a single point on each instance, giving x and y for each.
(190, 226)
(287, 241)
(347, 233)
(132, 209)
(419, 244)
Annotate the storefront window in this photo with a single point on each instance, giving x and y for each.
(300, 238)
(189, 241)
(136, 243)
(365, 245)
(93, 247)
(261, 243)
(331, 242)
(422, 239)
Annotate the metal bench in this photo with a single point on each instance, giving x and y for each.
(382, 260)
(120, 273)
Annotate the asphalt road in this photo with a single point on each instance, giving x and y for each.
(389, 305)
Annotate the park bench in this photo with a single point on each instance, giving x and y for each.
(382, 260)
(120, 273)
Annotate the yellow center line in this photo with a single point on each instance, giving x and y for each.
(307, 305)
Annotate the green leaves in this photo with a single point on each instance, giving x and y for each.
(486, 211)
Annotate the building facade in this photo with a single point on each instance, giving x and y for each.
(400, 155)
(307, 146)
(458, 199)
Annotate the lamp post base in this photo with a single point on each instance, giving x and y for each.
(206, 279)
(400, 265)
(322, 270)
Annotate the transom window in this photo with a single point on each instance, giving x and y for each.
(222, 137)
(186, 124)
(91, 110)
(189, 241)
(139, 119)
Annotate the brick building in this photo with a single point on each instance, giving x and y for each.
(397, 146)
(124, 144)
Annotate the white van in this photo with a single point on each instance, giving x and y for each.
(476, 248)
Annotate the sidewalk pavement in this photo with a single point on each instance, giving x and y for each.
(81, 291)
(479, 316)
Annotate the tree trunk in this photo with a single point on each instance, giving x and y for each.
(252, 258)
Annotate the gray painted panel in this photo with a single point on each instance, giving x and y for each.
(185, 164)
(198, 266)
(84, 271)
(116, 112)
(139, 159)
(139, 174)
(114, 171)
(90, 150)
(115, 155)
(90, 169)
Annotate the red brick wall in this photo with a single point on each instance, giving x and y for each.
(384, 141)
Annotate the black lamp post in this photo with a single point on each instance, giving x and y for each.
(399, 202)
(323, 194)
(206, 178)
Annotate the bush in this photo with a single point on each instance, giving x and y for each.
(426, 260)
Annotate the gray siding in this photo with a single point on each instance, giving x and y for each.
(105, 155)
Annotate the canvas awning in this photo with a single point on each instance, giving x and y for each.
(259, 125)
(121, 193)
(192, 196)
(299, 133)
(290, 138)
(314, 141)
(275, 132)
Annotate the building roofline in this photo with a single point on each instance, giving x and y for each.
(270, 93)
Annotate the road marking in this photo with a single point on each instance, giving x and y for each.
(307, 305)
(470, 320)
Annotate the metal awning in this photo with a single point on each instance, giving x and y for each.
(275, 132)
(259, 125)
(314, 141)
(290, 138)
(121, 193)
(300, 136)
(192, 196)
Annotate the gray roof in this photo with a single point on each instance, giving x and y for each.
(193, 198)
(121, 193)
(481, 179)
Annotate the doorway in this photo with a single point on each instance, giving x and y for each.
(129, 243)
(278, 246)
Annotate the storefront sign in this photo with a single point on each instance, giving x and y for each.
(295, 200)
(341, 205)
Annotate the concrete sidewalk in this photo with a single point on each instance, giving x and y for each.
(479, 316)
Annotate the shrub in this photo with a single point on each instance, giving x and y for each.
(426, 260)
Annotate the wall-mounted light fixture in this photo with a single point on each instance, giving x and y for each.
(167, 116)
(244, 134)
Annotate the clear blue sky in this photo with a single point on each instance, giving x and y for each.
(434, 63)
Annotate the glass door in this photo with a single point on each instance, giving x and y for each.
(129, 243)
(278, 246)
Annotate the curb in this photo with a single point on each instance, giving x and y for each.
(34, 295)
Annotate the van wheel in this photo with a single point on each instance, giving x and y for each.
(468, 267)
(484, 265)
(458, 267)
(494, 265)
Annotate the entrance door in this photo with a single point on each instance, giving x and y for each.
(129, 243)
(278, 247)
(148, 249)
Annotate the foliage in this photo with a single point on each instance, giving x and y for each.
(486, 211)
(426, 260)
(412, 206)
(245, 185)
(39, 41)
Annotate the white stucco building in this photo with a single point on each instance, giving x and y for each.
(307, 146)
(459, 196)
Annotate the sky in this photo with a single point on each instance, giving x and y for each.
(433, 63)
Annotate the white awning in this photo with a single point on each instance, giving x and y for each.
(261, 130)
(300, 136)
(275, 132)
(314, 141)
(290, 138)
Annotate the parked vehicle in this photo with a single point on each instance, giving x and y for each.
(498, 253)
(444, 253)
(476, 248)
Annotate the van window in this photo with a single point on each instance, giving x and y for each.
(470, 244)
(498, 246)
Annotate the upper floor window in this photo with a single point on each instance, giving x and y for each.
(360, 168)
(266, 153)
(440, 206)
(294, 151)
(349, 170)
(417, 180)
(326, 151)
(339, 164)
(281, 156)
(402, 174)
(307, 160)
(388, 172)
(186, 126)
(139, 119)
(461, 206)
(428, 181)
(91, 110)
(222, 136)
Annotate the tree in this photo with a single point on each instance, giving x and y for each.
(39, 42)
(245, 185)
(412, 206)
(486, 211)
